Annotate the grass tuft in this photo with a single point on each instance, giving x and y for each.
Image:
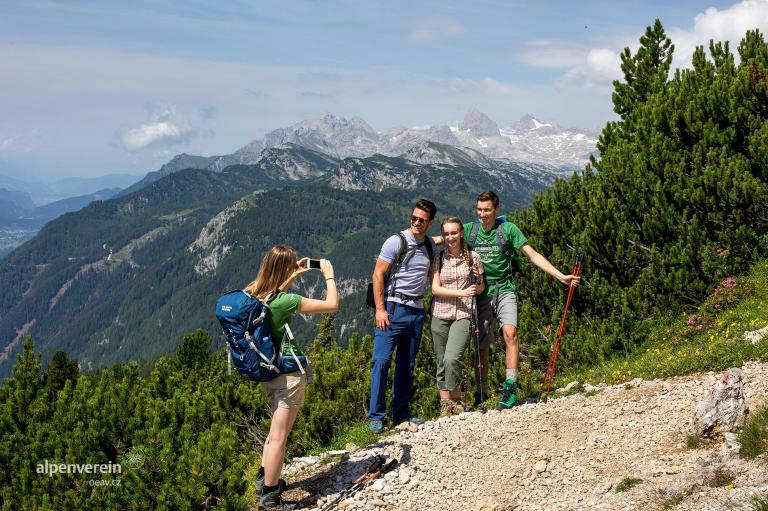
(693, 441)
(759, 503)
(671, 502)
(754, 436)
(722, 477)
(627, 484)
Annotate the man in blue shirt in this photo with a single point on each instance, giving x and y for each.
(400, 314)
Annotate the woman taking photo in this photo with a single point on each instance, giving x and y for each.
(277, 272)
(455, 272)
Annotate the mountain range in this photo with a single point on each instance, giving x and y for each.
(42, 191)
(549, 149)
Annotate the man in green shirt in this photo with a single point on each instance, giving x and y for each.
(499, 300)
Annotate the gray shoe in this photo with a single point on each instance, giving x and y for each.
(281, 484)
(412, 420)
(271, 501)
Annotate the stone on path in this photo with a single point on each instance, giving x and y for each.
(723, 407)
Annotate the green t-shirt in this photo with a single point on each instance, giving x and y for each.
(281, 310)
(497, 264)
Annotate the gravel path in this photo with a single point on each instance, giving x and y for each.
(569, 453)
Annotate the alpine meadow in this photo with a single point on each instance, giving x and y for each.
(674, 204)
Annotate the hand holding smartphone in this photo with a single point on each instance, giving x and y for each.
(310, 264)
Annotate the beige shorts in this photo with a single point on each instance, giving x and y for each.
(286, 391)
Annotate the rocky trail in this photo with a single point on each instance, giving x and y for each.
(568, 453)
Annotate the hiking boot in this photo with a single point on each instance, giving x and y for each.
(376, 427)
(508, 395)
(413, 421)
(281, 484)
(271, 501)
(459, 407)
(446, 407)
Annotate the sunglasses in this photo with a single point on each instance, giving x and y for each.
(417, 220)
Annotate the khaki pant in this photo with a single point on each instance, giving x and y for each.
(450, 338)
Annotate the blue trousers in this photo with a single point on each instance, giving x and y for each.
(403, 335)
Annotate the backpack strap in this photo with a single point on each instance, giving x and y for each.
(430, 249)
(252, 322)
(401, 252)
(401, 258)
(404, 255)
(440, 261)
(473, 233)
(501, 237)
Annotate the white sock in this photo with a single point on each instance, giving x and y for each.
(512, 374)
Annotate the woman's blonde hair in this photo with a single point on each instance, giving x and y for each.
(278, 264)
(464, 248)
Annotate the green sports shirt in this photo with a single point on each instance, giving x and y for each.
(497, 264)
(281, 310)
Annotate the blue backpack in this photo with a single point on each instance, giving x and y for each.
(249, 339)
(246, 328)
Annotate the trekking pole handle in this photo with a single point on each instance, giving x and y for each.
(358, 483)
(580, 257)
(375, 465)
(383, 470)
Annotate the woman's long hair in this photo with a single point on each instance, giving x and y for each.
(464, 249)
(278, 264)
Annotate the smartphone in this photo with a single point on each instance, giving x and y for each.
(314, 264)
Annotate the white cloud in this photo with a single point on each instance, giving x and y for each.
(167, 126)
(435, 28)
(603, 65)
(7, 143)
(158, 133)
(598, 69)
(19, 142)
(720, 25)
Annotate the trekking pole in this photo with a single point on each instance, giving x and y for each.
(550, 374)
(475, 330)
(376, 469)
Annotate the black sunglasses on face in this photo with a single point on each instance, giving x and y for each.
(417, 220)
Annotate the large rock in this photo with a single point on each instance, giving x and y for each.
(723, 407)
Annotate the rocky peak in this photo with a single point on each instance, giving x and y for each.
(529, 123)
(479, 124)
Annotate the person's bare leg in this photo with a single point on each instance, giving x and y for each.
(274, 446)
(513, 348)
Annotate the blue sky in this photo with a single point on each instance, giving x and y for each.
(92, 88)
